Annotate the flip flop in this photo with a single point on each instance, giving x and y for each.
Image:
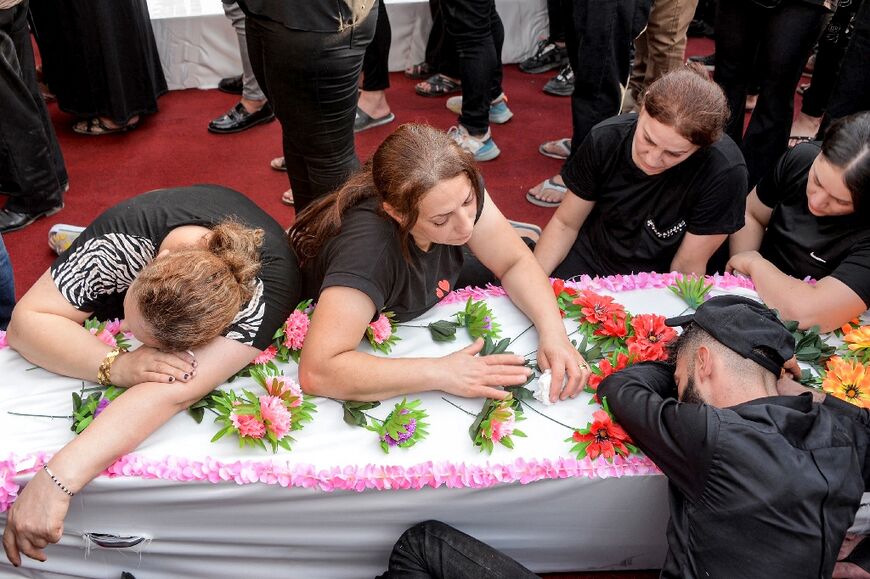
(365, 121)
(561, 149)
(95, 126)
(529, 230)
(552, 185)
(287, 197)
(439, 85)
(278, 164)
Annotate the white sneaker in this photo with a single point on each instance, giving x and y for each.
(499, 113)
(483, 148)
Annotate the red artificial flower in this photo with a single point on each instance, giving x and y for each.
(650, 337)
(597, 309)
(614, 326)
(604, 436)
(558, 286)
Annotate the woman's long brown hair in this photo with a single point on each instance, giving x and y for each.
(407, 165)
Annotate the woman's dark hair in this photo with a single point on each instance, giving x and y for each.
(690, 103)
(847, 146)
(407, 165)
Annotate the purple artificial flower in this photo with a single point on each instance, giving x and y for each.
(410, 429)
(101, 405)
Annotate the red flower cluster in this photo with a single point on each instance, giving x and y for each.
(602, 311)
(651, 335)
(602, 437)
(564, 296)
(606, 367)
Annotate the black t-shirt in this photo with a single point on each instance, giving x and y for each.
(98, 268)
(366, 254)
(801, 244)
(639, 220)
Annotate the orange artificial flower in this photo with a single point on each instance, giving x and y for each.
(848, 380)
(858, 339)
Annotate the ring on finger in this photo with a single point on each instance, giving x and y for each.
(584, 365)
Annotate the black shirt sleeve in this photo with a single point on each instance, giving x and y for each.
(581, 172)
(792, 167)
(721, 206)
(679, 438)
(854, 271)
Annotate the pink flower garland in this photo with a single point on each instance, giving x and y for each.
(4, 343)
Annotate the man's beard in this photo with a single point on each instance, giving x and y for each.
(690, 394)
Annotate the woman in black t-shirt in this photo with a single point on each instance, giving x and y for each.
(202, 277)
(809, 218)
(658, 191)
(392, 240)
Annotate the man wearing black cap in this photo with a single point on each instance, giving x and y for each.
(760, 485)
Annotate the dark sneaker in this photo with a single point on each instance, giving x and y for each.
(709, 61)
(231, 85)
(562, 84)
(547, 56)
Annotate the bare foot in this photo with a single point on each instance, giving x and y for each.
(803, 126)
(751, 101)
(849, 571)
(849, 543)
(287, 197)
(374, 103)
(109, 123)
(548, 193)
(278, 164)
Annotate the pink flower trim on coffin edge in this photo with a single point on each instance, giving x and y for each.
(615, 283)
(348, 478)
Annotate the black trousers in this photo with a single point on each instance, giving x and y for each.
(852, 91)
(376, 65)
(311, 79)
(557, 24)
(778, 42)
(32, 171)
(436, 550)
(440, 50)
(599, 37)
(832, 49)
(477, 30)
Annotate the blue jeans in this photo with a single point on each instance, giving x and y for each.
(7, 286)
(435, 549)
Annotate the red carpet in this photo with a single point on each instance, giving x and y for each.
(173, 148)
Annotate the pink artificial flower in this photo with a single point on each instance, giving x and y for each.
(296, 328)
(283, 387)
(104, 336)
(500, 429)
(4, 343)
(248, 425)
(276, 416)
(266, 355)
(113, 326)
(381, 329)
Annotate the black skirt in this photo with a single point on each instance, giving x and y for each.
(99, 57)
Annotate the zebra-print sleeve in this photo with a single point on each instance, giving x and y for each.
(101, 266)
(247, 324)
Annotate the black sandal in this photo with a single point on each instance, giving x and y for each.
(419, 70)
(439, 85)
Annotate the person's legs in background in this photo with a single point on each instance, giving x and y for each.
(852, 91)
(549, 52)
(32, 170)
(433, 549)
(253, 108)
(373, 110)
(317, 132)
(476, 29)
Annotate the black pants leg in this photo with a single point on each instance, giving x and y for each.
(477, 30)
(599, 39)
(852, 91)
(832, 49)
(557, 24)
(436, 550)
(376, 69)
(783, 37)
(440, 48)
(311, 79)
(32, 170)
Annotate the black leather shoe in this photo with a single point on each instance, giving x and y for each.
(13, 220)
(239, 119)
(232, 85)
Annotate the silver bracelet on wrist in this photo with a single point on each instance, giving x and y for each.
(60, 485)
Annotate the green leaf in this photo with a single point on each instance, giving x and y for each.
(197, 413)
(443, 330)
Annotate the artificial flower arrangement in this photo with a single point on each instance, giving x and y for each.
(288, 340)
(476, 317)
(602, 437)
(403, 427)
(108, 332)
(382, 333)
(847, 374)
(265, 418)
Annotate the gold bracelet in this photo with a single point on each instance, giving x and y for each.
(104, 374)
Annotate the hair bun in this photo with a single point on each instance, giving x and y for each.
(239, 248)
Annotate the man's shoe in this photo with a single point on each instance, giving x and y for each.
(562, 84)
(708, 61)
(499, 113)
(231, 85)
(547, 56)
(13, 220)
(483, 148)
(238, 119)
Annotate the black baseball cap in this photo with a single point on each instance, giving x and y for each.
(749, 328)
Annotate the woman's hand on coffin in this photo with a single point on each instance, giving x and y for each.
(472, 376)
(35, 519)
(563, 360)
(146, 364)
